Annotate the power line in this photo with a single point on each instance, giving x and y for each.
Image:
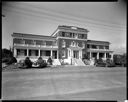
(57, 19)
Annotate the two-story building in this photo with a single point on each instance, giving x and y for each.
(67, 43)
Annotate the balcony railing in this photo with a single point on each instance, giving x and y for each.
(92, 49)
(42, 46)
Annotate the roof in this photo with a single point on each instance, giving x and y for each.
(32, 36)
(98, 42)
(74, 28)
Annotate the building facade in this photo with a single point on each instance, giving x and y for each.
(66, 43)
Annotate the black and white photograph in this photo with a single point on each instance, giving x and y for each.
(64, 51)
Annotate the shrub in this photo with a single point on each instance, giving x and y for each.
(28, 62)
(49, 60)
(9, 60)
(41, 62)
(6, 53)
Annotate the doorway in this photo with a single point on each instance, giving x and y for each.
(76, 54)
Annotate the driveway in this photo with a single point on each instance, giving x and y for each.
(66, 83)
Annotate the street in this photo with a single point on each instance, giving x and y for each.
(66, 83)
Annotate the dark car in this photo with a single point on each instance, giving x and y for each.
(100, 64)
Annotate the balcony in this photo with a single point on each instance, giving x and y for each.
(98, 50)
(40, 46)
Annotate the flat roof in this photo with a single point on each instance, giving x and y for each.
(31, 36)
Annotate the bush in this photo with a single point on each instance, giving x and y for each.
(41, 62)
(28, 62)
(49, 60)
(6, 53)
(9, 60)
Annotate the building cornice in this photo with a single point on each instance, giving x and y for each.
(71, 38)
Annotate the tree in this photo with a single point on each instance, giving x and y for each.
(6, 53)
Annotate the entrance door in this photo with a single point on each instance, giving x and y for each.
(76, 54)
(54, 54)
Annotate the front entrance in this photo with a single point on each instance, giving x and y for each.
(76, 54)
(54, 55)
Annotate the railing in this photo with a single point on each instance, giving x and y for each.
(42, 46)
(92, 49)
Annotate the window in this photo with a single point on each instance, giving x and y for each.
(88, 46)
(77, 44)
(63, 43)
(80, 36)
(63, 34)
(106, 47)
(83, 36)
(94, 46)
(21, 52)
(101, 47)
(63, 53)
(83, 44)
(73, 43)
(44, 43)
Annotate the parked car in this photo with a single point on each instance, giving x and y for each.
(107, 63)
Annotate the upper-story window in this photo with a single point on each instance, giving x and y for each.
(83, 44)
(54, 43)
(18, 41)
(94, 46)
(63, 34)
(76, 35)
(43, 43)
(106, 47)
(63, 43)
(80, 36)
(29, 42)
(101, 47)
(88, 46)
(83, 36)
(67, 34)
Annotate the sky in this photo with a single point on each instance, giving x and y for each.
(106, 21)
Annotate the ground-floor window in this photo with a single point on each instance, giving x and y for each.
(101, 55)
(21, 52)
(33, 52)
(45, 53)
(63, 53)
(94, 55)
(54, 55)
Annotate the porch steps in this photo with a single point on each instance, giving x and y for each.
(56, 62)
(78, 62)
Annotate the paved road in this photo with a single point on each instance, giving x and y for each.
(69, 83)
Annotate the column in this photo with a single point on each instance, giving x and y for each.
(15, 52)
(51, 53)
(39, 52)
(111, 56)
(57, 54)
(90, 55)
(27, 52)
(105, 55)
(80, 54)
(97, 55)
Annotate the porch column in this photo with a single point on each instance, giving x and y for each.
(105, 55)
(39, 52)
(90, 55)
(51, 53)
(97, 55)
(57, 54)
(27, 52)
(80, 54)
(111, 56)
(15, 52)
